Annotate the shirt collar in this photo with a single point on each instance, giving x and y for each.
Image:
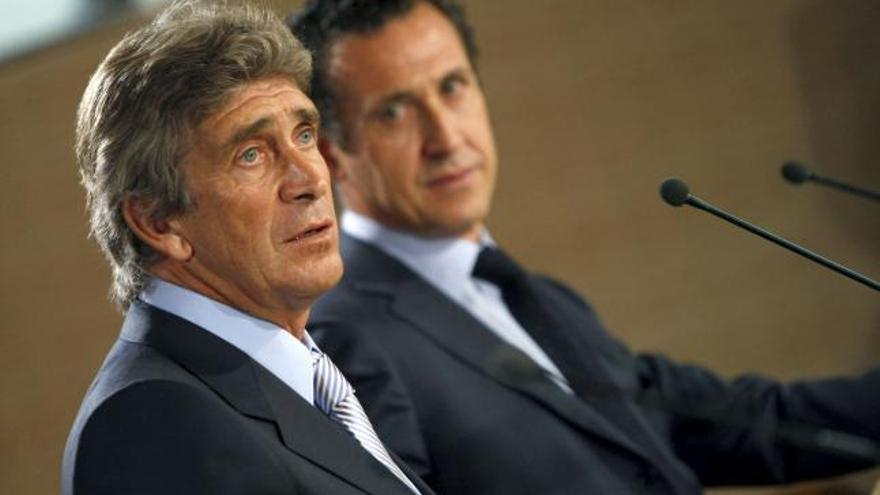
(271, 346)
(445, 262)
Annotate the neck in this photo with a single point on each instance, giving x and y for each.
(472, 232)
(291, 316)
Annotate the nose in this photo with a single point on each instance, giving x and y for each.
(305, 178)
(442, 134)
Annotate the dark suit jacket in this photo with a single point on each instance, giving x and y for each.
(175, 409)
(447, 397)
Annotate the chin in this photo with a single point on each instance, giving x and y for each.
(331, 273)
(335, 278)
(314, 279)
(462, 222)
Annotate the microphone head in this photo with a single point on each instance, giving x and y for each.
(796, 173)
(674, 191)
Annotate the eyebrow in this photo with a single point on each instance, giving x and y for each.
(409, 95)
(308, 116)
(397, 96)
(461, 71)
(245, 133)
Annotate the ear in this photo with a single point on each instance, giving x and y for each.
(162, 234)
(331, 153)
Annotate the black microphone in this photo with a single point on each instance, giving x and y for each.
(676, 193)
(796, 173)
(512, 367)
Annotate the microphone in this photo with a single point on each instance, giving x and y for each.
(512, 367)
(796, 173)
(676, 193)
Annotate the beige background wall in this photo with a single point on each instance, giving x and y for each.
(595, 102)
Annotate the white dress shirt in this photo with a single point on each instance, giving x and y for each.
(271, 346)
(447, 263)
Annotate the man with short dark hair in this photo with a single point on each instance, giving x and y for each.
(197, 146)
(486, 378)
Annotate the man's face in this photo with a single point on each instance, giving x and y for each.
(419, 155)
(262, 230)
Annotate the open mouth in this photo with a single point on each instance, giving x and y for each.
(312, 231)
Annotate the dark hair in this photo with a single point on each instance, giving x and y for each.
(321, 22)
(137, 115)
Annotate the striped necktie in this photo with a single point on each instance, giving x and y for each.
(335, 397)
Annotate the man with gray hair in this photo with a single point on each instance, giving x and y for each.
(197, 147)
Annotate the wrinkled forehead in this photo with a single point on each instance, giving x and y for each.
(252, 108)
(224, 102)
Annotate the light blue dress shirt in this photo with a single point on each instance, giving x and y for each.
(271, 346)
(447, 263)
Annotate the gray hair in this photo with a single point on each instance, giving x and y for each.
(137, 116)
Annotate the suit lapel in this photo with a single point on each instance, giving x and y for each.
(455, 331)
(307, 431)
(255, 392)
(423, 488)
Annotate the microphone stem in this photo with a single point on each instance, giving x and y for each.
(861, 191)
(858, 277)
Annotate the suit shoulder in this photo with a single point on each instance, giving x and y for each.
(164, 436)
(130, 363)
(143, 412)
(152, 404)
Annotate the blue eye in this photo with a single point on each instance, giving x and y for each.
(306, 136)
(250, 155)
